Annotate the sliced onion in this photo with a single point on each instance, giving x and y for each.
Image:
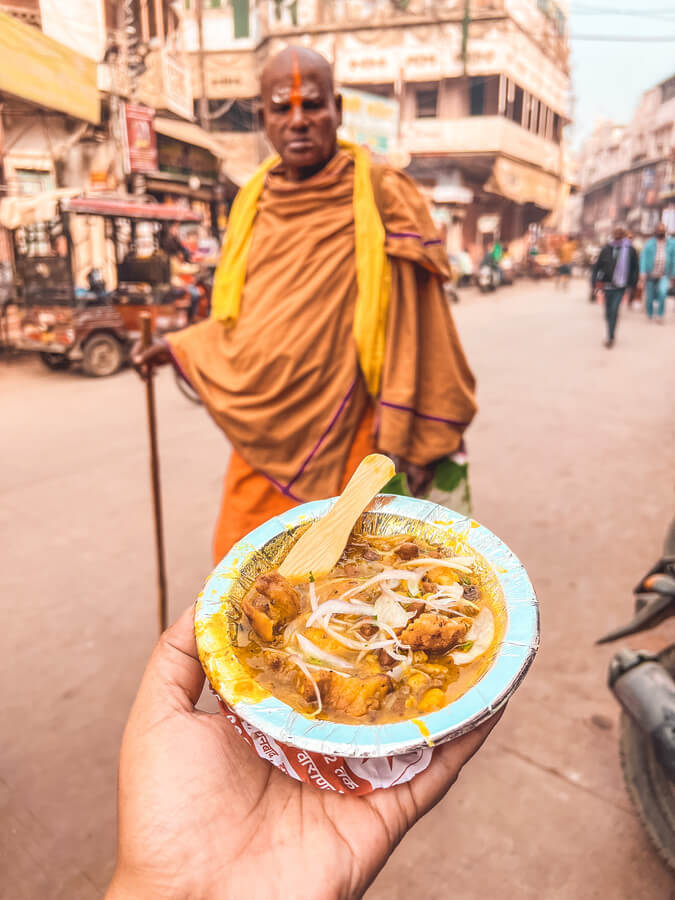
(313, 602)
(482, 634)
(397, 645)
(355, 645)
(293, 626)
(453, 591)
(389, 611)
(398, 670)
(331, 607)
(310, 650)
(325, 669)
(395, 575)
(305, 671)
(446, 610)
(459, 563)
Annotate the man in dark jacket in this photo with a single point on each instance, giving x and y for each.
(617, 269)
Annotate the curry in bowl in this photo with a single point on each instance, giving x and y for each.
(400, 627)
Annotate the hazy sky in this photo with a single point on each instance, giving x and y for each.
(608, 77)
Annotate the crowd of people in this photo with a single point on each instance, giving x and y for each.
(620, 271)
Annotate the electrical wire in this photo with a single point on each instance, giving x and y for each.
(625, 38)
(603, 10)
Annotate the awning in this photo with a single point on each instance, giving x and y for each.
(37, 68)
(17, 211)
(451, 193)
(522, 183)
(188, 133)
(122, 208)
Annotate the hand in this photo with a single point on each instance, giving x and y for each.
(200, 815)
(145, 359)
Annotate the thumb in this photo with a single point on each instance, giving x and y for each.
(174, 675)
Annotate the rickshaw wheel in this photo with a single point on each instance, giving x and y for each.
(55, 361)
(103, 355)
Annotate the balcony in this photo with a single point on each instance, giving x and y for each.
(278, 16)
(487, 135)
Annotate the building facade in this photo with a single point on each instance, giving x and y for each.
(69, 74)
(627, 172)
(482, 88)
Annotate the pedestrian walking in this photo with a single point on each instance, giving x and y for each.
(565, 259)
(657, 267)
(615, 271)
(330, 335)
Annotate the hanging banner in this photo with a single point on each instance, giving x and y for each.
(79, 24)
(140, 140)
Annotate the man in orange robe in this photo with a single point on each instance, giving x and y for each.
(285, 381)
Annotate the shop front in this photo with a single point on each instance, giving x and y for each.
(190, 170)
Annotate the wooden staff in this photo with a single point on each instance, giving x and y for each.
(146, 334)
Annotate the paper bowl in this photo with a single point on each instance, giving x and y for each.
(378, 755)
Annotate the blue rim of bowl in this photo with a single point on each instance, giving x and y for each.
(514, 655)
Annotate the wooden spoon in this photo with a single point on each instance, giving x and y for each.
(321, 546)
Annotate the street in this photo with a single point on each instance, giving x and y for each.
(572, 466)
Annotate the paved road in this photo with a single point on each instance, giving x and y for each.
(573, 466)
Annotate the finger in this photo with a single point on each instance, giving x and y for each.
(174, 673)
(446, 764)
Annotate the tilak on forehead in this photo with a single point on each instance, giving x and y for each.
(298, 90)
(296, 85)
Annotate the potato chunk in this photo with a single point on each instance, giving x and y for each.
(433, 633)
(353, 696)
(270, 605)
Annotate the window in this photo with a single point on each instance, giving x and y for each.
(427, 102)
(518, 105)
(285, 11)
(236, 115)
(241, 18)
(34, 181)
(476, 96)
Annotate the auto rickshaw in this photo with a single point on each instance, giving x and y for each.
(84, 269)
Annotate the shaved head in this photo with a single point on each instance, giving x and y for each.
(301, 111)
(282, 63)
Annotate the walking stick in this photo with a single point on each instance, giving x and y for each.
(146, 335)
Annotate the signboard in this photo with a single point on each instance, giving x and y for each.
(178, 158)
(140, 140)
(374, 65)
(177, 85)
(227, 75)
(369, 120)
(81, 27)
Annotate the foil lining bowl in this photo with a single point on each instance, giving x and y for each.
(218, 610)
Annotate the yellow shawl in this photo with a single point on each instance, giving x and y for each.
(373, 271)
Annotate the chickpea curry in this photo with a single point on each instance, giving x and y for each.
(399, 628)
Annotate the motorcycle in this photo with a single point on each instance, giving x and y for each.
(644, 685)
(488, 278)
(508, 275)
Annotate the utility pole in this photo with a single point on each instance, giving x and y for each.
(203, 105)
(465, 34)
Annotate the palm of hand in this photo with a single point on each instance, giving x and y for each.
(202, 816)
